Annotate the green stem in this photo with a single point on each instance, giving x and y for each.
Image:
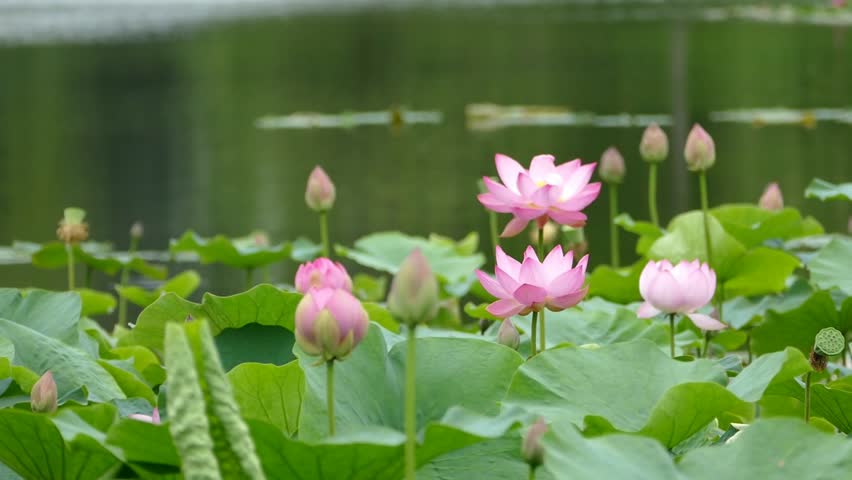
(89, 273)
(704, 208)
(542, 343)
(249, 277)
(613, 228)
(672, 334)
(326, 247)
(706, 343)
(808, 397)
(267, 274)
(542, 339)
(329, 395)
(125, 278)
(492, 224)
(652, 194)
(533, 337)
(532, 473)
(748, 346)
(70, 249)
(410, 407)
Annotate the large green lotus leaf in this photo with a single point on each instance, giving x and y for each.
(742, 312)
(760, 271)
(270, 393)
(494, 459)
(471, 373)
(630, 385)
(768, 370)
(798, 327)
(385, 251)
(182, 285)
(144, 361)
(142, 442)
(97, 256)
(243, 252)
(832, 401)
(53, 314)
(753, 226)
(773, 449)
(647, 231)
(616, 285)
(831, 265)
(7, 348)
(685, 241)
(72, 368)
(822, 190)
(129, 382)
(95, 302)
(33, 447)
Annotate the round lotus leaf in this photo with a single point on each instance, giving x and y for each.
(829, 341)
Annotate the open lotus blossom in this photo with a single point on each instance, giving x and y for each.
(534, 285)
(543, 192)
(683, 288)
(322, 273)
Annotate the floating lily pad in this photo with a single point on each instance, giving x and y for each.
(98, 256)
(822, 190)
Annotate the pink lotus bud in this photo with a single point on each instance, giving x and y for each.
(137, 230)
(320, 192)
(772, 198)
(153, 418)
(531, 448)
(322, 273)
(508, 335)
(700, 151)
(330, 323)
(654, 147)
(413, 296)
(43, 396)
(612, 166)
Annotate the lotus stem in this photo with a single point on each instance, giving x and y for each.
(532, 473)
(533, 337)
(652, 194)
(705, 209)
(613, 228)
(542, 341)
(125, 277)
(808, 397)
(249, 277)
(672, 334)
(329, 395)
(410, 407)
(70, 250)
(748, 346)
(706, 353)
(326, 247)
(88, 279)
(492, 225)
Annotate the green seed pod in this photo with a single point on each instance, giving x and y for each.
(829, 341)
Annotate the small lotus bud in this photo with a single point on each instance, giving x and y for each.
(322, 273)
(413, 296)
(261, 238)
(531, 448)
(330, 323)
(654, 147)
(43, 396)
(153, 418)
(551, 232)
(320, 193)
(700, 151)
(137, 230)
(612, 166)
(508, 335)
(72, 228)
(772, 198)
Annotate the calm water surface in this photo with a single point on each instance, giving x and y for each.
(162, 128)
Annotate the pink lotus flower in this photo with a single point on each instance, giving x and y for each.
(533, 285)
(153, 418)
(322, 273)
(330, 323)
(544, 192)
(683, 288)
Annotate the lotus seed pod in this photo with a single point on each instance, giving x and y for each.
(508, 335)
(612, 166)
(43, 396)
(72, 229)
(413, 296)
(137, 230)
(320, 193)
(700, 150)
(772, 198)
(818, 361)
(551, 233)
(531, 448)
(654, 147)
(829, 341)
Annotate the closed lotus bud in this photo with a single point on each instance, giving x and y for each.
(330, 323)
(153, 418)
(612, 168)
(43, 396)
(531, 448)
(320, 192)
(772, 198)
(413, 296)
(508, 335)
(700, 151)
(322, 273)
(654, 147)
(72, 228)
(137, 230)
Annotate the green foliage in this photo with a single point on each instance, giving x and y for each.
(94, 255)
(830, 267)
(270, 393)
(822, 190)
(243, 252)
(182, 285)
(798, 327)
(616, 285)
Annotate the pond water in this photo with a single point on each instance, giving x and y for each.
(162, 125)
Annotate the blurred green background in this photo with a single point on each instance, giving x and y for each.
(162, 128)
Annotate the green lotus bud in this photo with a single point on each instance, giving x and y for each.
(413, 296)
(43, 395)
(72, 228)
(700, 150)
(531, 449)
(654, 147)
(508, 335)
(612, 166)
